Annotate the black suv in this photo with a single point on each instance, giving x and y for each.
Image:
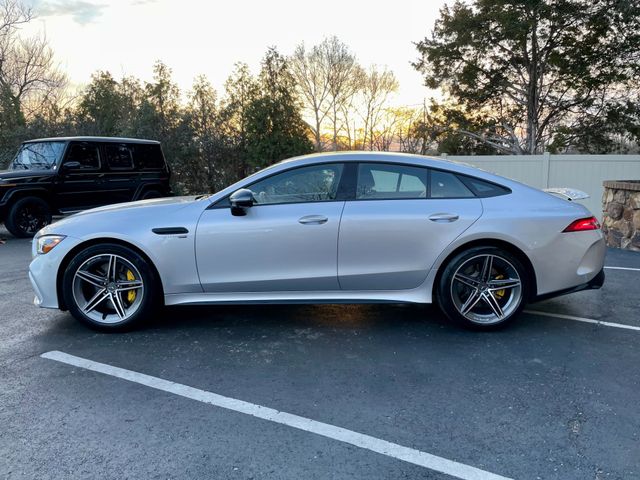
(54, 176)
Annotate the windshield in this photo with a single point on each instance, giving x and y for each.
(37, 156)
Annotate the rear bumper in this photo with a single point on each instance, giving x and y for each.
(594, 284)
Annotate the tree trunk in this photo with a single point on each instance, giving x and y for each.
(533, 94)
(335, 127)
(317, 132)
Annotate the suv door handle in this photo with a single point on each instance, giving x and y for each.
(443, 217)
(313, 220)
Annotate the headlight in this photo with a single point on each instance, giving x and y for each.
(46, 243)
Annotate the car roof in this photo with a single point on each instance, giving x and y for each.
(94, 139)
(369, 157)
(388, 157)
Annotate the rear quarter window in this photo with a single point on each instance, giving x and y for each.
(485, 189)
(148, 157)
(448, 185)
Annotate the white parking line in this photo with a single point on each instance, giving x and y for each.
(582, 319)
(406, 454)
(623, 268)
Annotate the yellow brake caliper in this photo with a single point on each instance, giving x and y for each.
(131, 294)
(500, 293)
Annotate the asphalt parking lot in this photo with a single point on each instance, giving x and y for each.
(375, 391)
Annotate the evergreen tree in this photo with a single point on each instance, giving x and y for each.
(275, 128)
(532, 66)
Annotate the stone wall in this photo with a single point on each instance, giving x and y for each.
(621, 214)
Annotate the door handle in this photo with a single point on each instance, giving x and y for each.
(443, 217)
(313, 220)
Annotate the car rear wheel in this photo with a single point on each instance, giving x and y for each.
(483, 288)
(27, 216)
(110, 287)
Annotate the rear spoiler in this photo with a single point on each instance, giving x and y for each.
(570, 194)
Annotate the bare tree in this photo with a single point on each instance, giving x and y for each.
(13, 14)
(377, 88)
(344, 81)
(31, 74)
(310, 71)
(327, 77)
(28, 73)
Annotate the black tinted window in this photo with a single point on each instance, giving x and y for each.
(118, 156)
(485, 189)
(448, 185)
(148, 157)
(385, 181)
(86, 154)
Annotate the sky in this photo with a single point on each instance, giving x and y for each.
(195, 37)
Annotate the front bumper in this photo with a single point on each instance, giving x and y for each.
(43, 273)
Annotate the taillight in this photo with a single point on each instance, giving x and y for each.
(583, 224)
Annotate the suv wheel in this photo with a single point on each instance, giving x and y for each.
(483, 288)
(27, 216)
(110, 287)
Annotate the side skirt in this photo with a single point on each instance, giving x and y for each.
(418, 295)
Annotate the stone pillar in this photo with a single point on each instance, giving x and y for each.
(621, 214)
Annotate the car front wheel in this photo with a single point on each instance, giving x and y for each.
(110, 287)
(483, 288)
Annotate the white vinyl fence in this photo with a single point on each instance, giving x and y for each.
(583, 172)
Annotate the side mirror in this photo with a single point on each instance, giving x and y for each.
(71, 165)
(240, 200)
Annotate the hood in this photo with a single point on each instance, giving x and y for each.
(140, 204)
(122, 218)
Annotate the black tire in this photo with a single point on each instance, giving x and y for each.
(504, 269)
(26, 216)
(151, 194)
(76, 290)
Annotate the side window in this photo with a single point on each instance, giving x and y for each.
(119, 156)
(317, 183)
(484, 189)
(148, 156)
(86, 154)
(386, 181)
(448, 185)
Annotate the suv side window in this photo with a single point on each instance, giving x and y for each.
(86, 154)
(383, 181)
(148, 157)
(448, 185)
(118, 156)
(316, 183)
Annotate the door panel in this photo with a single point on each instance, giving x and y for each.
(121, 179)
(392, 244)
(83, 186)
(284, 247)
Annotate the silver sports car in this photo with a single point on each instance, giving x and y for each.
(327, 228)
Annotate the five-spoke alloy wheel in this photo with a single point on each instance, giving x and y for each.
(109, 287)
(483, 287)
